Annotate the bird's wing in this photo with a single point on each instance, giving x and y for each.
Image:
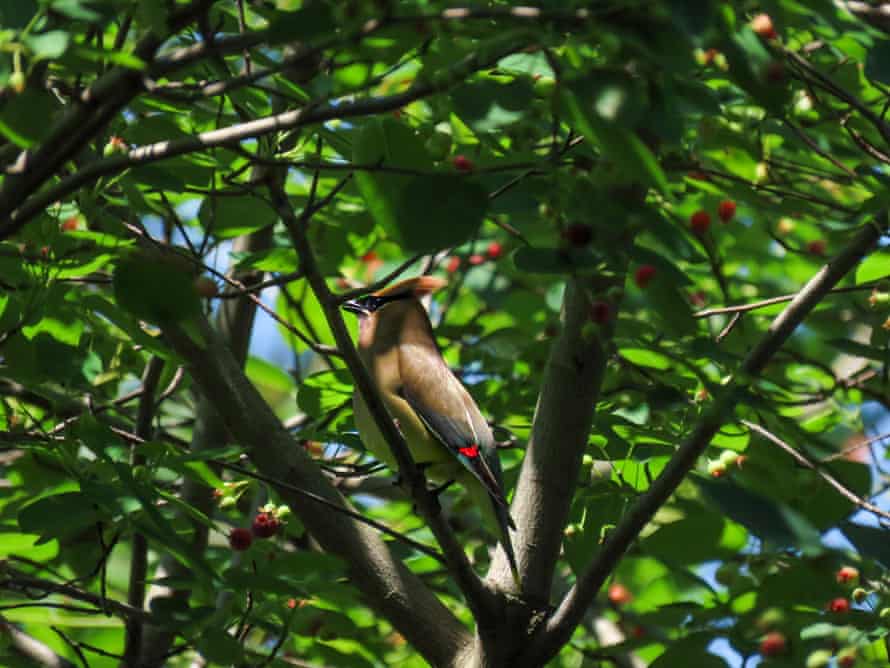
(451, 416)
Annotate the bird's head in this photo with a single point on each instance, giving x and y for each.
(412, 288)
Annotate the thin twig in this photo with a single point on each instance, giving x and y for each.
(763, 303)
(378, 284)
(839, 487)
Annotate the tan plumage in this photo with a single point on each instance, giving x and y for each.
(442, 425)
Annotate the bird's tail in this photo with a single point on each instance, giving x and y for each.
(496, 516)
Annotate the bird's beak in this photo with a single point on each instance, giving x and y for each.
(354, 307)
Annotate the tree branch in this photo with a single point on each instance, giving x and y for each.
(560, 431)
(96, 107)
(570, 611)
(139, 552)
(797, 456)
(14, 580)
(390, 588)
(310, 114)
(31, 648)
(234, 321)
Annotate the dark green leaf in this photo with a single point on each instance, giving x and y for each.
(779, 525)
(877, 64)
(234, 216)
(156, 290)
(434, 212)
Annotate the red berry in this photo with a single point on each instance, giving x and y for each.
(644, 274)
(453, 264)
(69, 224)
(700, 222)
(240, 539)
(475, 259)
(370, 256)
(494, 250)
(619, 594)
(726, 210)
(839, 605)
(847, 575)
(773, 644)
(817, 247)
(600, 312)
(462, 163)
(762, 24)
(265, 525)
(578, 234)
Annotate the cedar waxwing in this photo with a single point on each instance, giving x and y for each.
(441, 424)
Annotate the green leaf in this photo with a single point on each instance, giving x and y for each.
(48, 45)
(27, 117)
(486, 106)
(387, 143)
(875, 266)
(878, 354)
(772, 522)
(27, 545)
(59, 516)
(269, 376)
(64, 326)
(324, 391)
(618, 144)
(121, 58)
(234, 216)
(75, 9)
(435, 212)
(219, 647)
(690, 651)
(312, 21)
(870, 541)
(156, 290)
(273, 260)
(555, 260)
(877, 63)
(16, 14)
(672, 307)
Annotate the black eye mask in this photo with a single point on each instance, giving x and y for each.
(370, 303)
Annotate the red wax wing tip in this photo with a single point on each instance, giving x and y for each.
(471, 451)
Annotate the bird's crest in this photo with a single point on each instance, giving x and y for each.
(419, 287)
